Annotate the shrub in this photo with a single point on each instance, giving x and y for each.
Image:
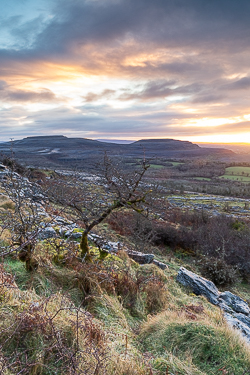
(155, 296)
(218, 271)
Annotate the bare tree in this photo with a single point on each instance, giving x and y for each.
(92, 202)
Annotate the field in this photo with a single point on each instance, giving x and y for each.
(202, 178)
(156, 166)
(175, 163)
(236, 178)
(237, 173)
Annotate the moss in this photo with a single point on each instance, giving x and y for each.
(77, 230)
(84, 246)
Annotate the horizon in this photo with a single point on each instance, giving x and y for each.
(126, 70)
(126, 141)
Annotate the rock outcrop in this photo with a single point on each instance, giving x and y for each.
(159, 264)
(114, 247)
(236, 303)
(236, 310)
(199, 285)
(141, 258)
(46, 233)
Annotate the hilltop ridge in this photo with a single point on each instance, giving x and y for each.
(61, 151)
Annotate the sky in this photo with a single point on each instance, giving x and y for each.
(125, 69)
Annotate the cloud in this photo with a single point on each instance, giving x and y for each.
(240, 84)
(208, 98)
(242, 126)
(161, 89)
(91, 97)
(22, 96)
(25, 33)
(165, 23)
(3, 85)
(162, 62)
(206, 26)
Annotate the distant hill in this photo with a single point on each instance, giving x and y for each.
(60, 151)
(117, 141)
(238, 148)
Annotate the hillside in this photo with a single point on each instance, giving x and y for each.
(60, 151)
(120, 311)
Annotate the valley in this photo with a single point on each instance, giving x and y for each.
(93, 253)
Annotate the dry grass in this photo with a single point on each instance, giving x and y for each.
(6, 203)
(204, 339)
(95, 317)
(41, 335)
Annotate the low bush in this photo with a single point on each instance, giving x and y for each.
(218, 271)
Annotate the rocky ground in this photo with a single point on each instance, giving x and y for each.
(213, 205)
(235, 309)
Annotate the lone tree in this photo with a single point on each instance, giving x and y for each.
(92, 201)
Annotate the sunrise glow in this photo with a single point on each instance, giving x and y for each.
(66, 68)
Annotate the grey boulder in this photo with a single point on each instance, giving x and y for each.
(236, 323)
(198, 284)
(236, 303)
(236, 310)
(46, 233)
(159, 264)
(140, 257)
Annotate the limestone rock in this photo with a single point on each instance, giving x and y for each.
(198, 284)
(114, 247)
(73, 235)
(37, 197)
(236, 323)
(243, 318)
(161, 265)
(225, 307)
(236, 310)
(140, 257)
(62, 221)
(46, 233)
(236, 303)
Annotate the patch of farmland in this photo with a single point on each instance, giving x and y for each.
(202, 178)
(156, 166)
(237, 173)
(236, 178)
(175, 163)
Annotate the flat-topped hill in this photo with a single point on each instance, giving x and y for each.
(60, 151)
(170, 144)
(58, 141)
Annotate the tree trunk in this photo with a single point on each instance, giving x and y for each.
(84, 246)
(25, 255)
